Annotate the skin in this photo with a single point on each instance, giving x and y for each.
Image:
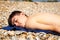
(42, 21)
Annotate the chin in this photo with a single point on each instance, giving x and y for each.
(22, 26)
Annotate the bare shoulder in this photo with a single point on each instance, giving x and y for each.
(30, 21)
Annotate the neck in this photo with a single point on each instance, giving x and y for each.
(26, 19)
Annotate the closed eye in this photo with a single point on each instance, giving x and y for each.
(15, 20)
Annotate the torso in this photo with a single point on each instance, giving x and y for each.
(44, 18)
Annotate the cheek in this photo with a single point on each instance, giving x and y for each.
(21, 20)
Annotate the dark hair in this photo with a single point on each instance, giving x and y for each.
(11, 16)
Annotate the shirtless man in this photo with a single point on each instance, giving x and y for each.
(44, 21)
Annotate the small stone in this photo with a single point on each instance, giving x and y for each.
(17, 32)
(52, 37)
(6, 33)
(22, 36)
(11, 33)
(14, 38)
(59, 38)
(1, 31)
(37, 38)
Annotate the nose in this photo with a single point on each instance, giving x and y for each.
(16, 24)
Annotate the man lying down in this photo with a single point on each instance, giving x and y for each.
(40, 21)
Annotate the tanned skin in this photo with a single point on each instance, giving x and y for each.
(44, 21)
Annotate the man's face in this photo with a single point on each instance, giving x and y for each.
(19, 20)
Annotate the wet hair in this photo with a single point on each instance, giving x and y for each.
(11, 16)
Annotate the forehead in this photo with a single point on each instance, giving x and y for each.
(15, 17)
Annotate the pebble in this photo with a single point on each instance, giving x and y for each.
(21, 35)
(58, 38)
(18, 32)
(11, 33)
(14, 38)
